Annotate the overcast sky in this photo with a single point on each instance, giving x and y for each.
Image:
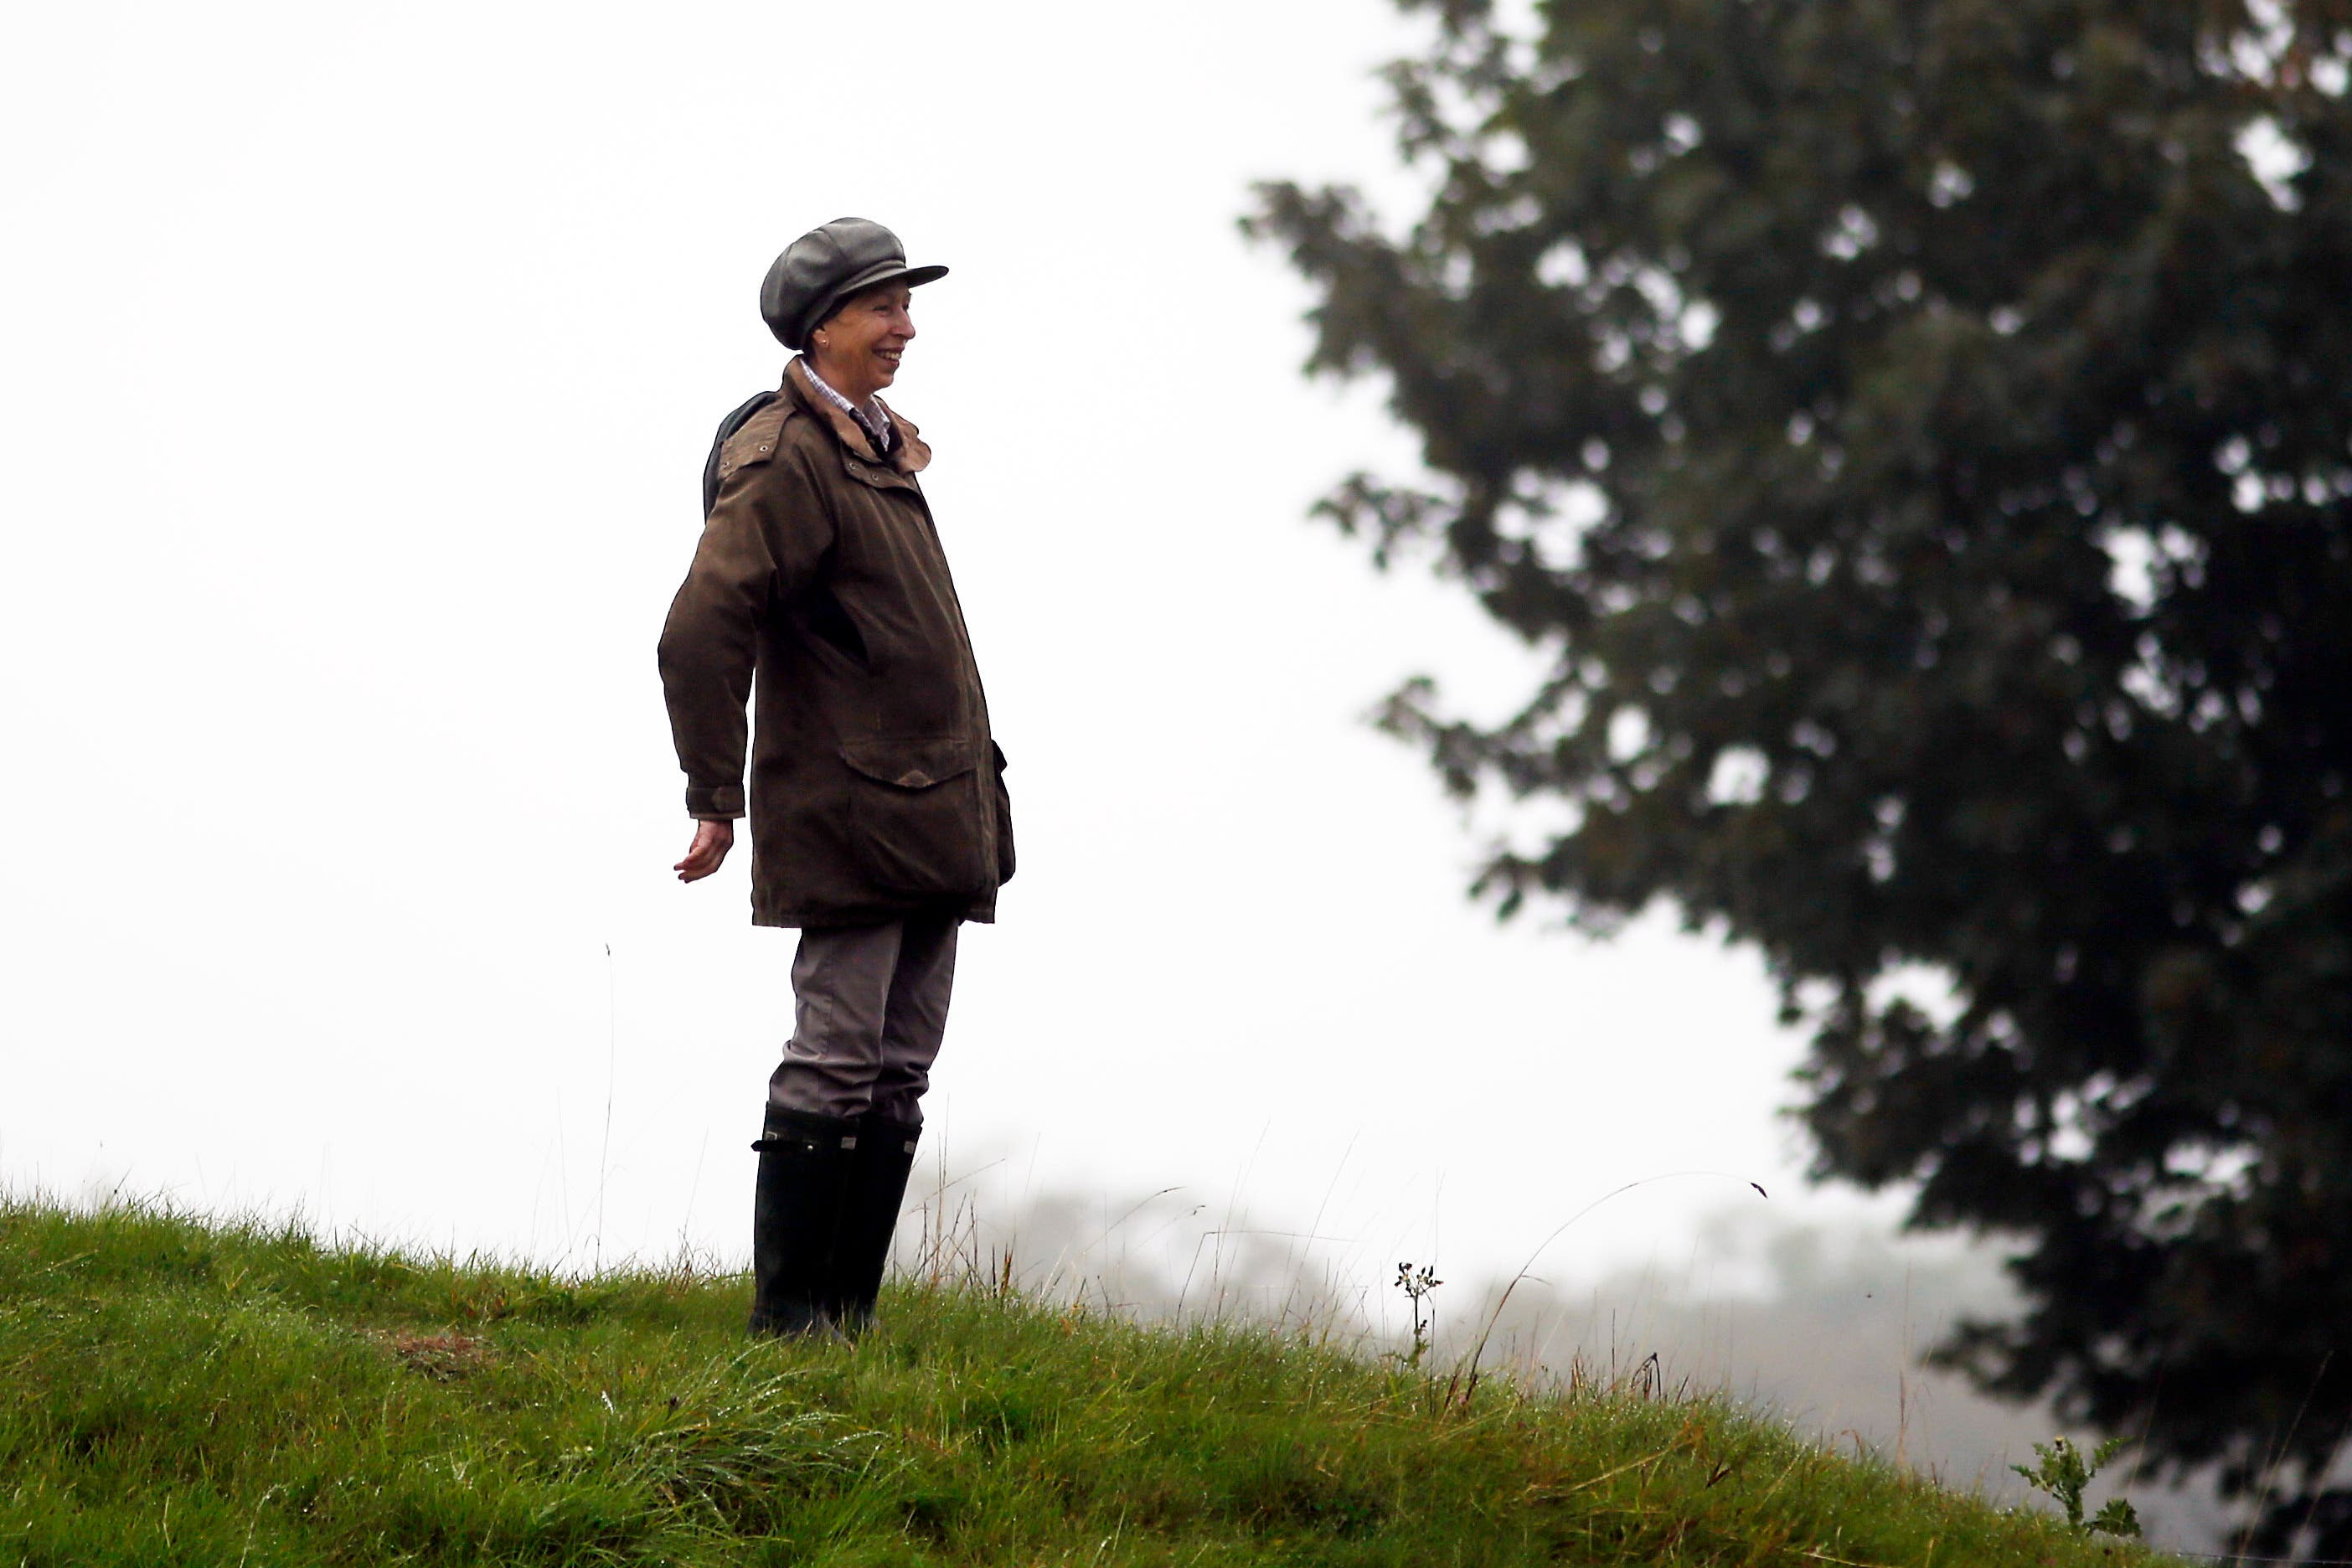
(359, 367)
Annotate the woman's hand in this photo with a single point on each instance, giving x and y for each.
(711, 842)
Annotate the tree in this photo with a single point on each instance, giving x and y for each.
(1916, 432)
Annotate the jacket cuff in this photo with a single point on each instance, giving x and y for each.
(722, 801)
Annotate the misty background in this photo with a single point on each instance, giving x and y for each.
(362, 366)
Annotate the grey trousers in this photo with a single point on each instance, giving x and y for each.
(869, 1009)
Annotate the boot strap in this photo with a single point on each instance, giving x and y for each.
(771, 1141)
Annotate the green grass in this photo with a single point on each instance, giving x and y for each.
(183, 1392)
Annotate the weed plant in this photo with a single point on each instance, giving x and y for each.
(178, 1392)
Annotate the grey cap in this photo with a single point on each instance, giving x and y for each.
(826, 266)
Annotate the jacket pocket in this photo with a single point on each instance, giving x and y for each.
(917, 819)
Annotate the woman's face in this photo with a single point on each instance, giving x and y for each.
(857, 350)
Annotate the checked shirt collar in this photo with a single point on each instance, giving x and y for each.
(876, 425)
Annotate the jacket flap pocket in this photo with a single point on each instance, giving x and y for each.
(916, 763)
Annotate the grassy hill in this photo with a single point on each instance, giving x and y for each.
(173, 1391)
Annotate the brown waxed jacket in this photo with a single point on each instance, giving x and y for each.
(876, 790)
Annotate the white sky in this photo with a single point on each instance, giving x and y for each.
(359, 367)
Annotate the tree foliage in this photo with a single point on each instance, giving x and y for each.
(1916, 432)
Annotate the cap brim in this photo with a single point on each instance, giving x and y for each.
(874, 277)
(883, 272)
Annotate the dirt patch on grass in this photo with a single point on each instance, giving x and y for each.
(441, 1357)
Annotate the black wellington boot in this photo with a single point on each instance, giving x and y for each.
(805, 1164)
(870, 1214)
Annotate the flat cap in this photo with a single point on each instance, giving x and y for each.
(826, 266)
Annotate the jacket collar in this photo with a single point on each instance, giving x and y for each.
(910, 456)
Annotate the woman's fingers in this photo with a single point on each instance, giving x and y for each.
(704, 855)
